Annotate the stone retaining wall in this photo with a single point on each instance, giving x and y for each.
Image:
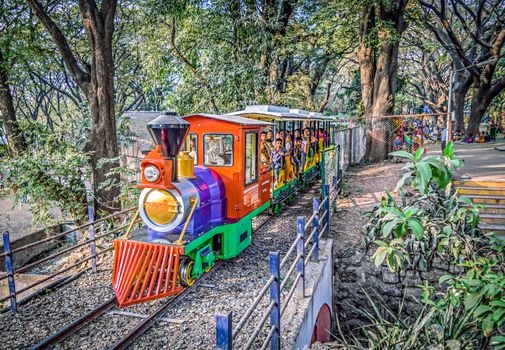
(355, 273)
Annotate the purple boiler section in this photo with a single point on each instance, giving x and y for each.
(211, 210)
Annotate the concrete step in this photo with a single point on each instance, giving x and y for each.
(481, 199)
(492, 218)
(470, 183)
(482, 191)
(493, 209)
(498, 229)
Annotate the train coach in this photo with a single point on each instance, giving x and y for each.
(205, 180)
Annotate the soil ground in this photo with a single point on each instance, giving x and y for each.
(364, 186)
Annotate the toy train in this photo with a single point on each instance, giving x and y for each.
(206, 179)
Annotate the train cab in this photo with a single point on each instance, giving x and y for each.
(230, 146)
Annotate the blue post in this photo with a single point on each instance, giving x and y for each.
(9, 268)
(224, 332)
(275, 296)
(92, 244)
(339, 168)
(315, 224)
(328, 208)
(300, 267)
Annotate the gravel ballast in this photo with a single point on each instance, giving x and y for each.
(190, 324)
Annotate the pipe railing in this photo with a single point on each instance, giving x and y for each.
(9, 253)
(307, 249)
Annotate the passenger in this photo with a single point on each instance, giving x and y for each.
(320, 138)
(297, 134)
(305, 147)
(265, 149)
(270, 135)
(297, 154)
(288, 145)
(213, 156)
(277, 154)
(192, 153)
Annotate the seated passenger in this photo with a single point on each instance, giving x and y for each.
(277, 153)
(288, 146)
(213, 152)
(192, 153)
(265, 150)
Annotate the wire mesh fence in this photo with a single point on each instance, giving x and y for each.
(411, 132)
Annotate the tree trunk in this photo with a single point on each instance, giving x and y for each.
(16, 140)
(97, 83)
(463, 84)
(480, 103)
(378, 75)
(459, 106)
(103, 143)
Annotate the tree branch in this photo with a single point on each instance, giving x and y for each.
(81, 77)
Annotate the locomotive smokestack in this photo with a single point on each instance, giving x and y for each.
(169, 132)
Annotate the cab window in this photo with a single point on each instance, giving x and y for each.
(218, 149)
(191, 145)
(251, 157)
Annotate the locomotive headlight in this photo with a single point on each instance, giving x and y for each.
(151, 173)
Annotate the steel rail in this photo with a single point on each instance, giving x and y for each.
(288, 254)
(290, 294)
(147, 323)
(50, 238)
(269, 337)
(259, 326)
(290, 271)
(310, 239)
(75, 325)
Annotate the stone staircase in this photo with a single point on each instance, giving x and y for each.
(492, 195)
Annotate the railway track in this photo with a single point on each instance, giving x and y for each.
(74, 326)
(123, 343)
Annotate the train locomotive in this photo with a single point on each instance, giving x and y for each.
(202, 185)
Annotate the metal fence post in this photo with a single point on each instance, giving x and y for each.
(92, 244)
(339, 163)
(275, 296)
(328, 208)
(9, 268)
(224, 332)
(315, 223)
(300, 267)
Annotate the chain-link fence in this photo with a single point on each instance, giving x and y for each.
(411, 132)
(352, 145)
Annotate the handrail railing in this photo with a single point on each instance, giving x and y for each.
(317, 225)
(9, 253)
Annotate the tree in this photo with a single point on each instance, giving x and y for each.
(96, 81)
(478, 50)
(381, 25)
(16, 141)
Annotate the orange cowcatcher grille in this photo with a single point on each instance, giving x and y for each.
(145, 271)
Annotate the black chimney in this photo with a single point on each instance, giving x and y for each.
(169, 131)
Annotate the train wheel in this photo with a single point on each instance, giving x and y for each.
(185, 273)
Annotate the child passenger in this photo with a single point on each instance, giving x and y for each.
(277, 153)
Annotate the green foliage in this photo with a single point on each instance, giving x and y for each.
(50, 175)
(463, 311)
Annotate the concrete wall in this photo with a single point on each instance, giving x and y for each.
(24, 256)
(301, 314)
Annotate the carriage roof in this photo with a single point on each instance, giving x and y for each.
(236, 119)
(278, 113)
